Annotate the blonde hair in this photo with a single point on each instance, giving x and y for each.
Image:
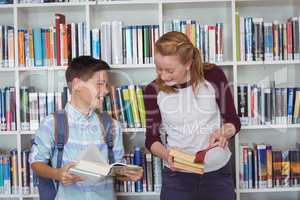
(178, 44)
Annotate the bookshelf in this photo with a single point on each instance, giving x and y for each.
(157, 12)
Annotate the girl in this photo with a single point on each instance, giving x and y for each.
(192, 104)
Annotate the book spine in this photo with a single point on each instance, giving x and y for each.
(14, 172)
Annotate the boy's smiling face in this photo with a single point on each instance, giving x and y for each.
(90, 94)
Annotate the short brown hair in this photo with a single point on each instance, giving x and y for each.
(83, 67)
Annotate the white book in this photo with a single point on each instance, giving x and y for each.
(52, 45)
(1, 47)
(140, 44)
(42, 106)
(105, 32)
(134, 45)
(206, 44)
(33, 111)
(93, 167)
(242, 38)
(116, 39)
(11, 48)
(50, 103)
(73, 39)
(80, 39)
(212, 43)
(58, 101)
(152, 44)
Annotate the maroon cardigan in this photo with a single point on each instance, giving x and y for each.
(224, 100)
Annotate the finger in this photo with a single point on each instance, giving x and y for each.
(212, 140)
(69, 165)
(77, 179)
(66, 181)
(68, 176)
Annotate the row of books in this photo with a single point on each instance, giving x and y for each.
(263, 167)
(259, 105)
(258, 40)
(9, 182)
(49, 1)
(126, 104)
(208, 38)
(116, 44)
(57, 45)
(8, 120)
(35, 106)
(6, 1)
(151, 181)
(7, 54)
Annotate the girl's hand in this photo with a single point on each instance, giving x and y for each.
(218, 139)
(170, 161)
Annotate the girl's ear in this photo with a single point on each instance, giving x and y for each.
(188, 65)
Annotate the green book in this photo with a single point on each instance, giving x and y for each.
(146, 44)
(134, 106)
(127, 107)
(108, 108)
(141, 105)
(237, 30)
(24, 108)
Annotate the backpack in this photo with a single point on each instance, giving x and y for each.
(48, 187)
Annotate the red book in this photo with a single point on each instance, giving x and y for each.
(59, 19)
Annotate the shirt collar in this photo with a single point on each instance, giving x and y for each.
(183, 85)
(75, 114)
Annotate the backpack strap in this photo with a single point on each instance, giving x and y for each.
(61, 134)
(107, 123)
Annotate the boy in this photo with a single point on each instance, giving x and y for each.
(87, 79)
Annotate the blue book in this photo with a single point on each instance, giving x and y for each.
(249, 39)
(43, 32)
(121, 106)
(26, 47)
(127, 106)
(3, 110)
(95, 44)
(290, 105)
(6, 175)
(176, 25)
(129, 50)
(262, 165)
(37, 46)
(250, 168)
(1, 175)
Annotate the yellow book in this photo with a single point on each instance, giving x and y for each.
(182, 155)
(134, 105)
(191, 164)
(141, 105)
(188, 168)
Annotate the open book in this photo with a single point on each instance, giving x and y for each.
(186, 161)
(92, 166)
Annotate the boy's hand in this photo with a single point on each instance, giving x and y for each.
(65, 177)
(131, 175)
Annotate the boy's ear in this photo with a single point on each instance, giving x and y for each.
(75, 84)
